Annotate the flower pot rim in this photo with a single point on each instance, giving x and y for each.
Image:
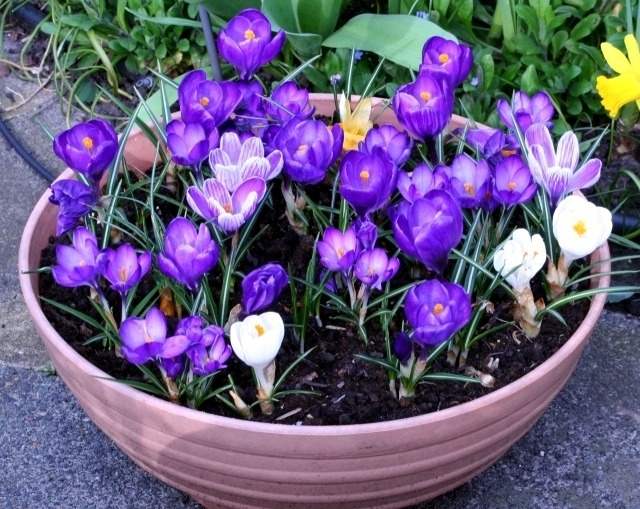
(457, 412)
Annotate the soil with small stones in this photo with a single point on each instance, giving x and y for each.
(346, 389)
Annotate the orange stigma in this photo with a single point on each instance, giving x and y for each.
(425, 96)
(248, 34)
(511, 186)
(364, 175)
(340, 252)
(437, 309)
(468, 187)
(83, 263)
(147, 339)
(227, 208)
(87, 142)
(261, 330)
(506, 152)
(444, 58)
(580, 228)
(204, 101)
(371, 272)
(123, 274)
(303, 147)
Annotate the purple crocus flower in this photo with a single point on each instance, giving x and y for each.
(526, 111)
(366, 232)
(261, 287)
(75, 200)
(145, 339)
(513, 182)
(555, 170)
(429, 228)
(173, 366)
(188, 254)
(88, 148)
(125, 268)
(308, 147)
(424, 107)
(436, 311)
(403, 347)
(373, 267)
(470, 181)
(209, 360)
(246, 42)
(207, 102)
(397, 144)
(190, 144)
(337, 250)
(286, 101)
(422, 180)
(447, 60)
(367, 181)
(80, 264)
(230, 211)
(235, 161)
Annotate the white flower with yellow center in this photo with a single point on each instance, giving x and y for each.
(523, 251)
(580, 227)
(256, 341)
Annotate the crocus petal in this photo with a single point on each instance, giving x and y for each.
(586, 176)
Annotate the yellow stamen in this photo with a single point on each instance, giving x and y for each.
(437, 309)
(364, 175)
(148, 340)
(83, 263)
(580, 228)
(371, 272)
(425, 96)
(123, 274)
(248, 34)
(340, 253)
(303, 147)
(207, 360)
(261, 330)
(87, 142)
(444, 58)
(506, 152)
(468, 187)
(204, 101)
(511, 186)
(227, 208)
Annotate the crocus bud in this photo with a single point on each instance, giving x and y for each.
(261, 287)
(526, 111)
(125, 268)
(75, 200)
(366, 232)
(524, 251)
(403, 347)
(337, 250)
(446, 59)
(396, 144)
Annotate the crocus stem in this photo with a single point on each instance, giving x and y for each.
(363, 304)
(210, 42)
(123, 313)
(227, 282)
(352, 291)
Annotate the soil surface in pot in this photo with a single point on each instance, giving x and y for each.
(347, 389)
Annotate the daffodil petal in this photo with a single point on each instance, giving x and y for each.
(633, 53)
(359, 121)
(615, 58)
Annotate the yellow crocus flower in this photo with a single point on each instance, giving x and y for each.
(354, 124)
(618, 91)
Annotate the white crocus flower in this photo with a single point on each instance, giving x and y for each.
(580, 227)
(523, 251)
(256, 341)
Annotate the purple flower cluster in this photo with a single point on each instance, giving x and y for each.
(145, 339)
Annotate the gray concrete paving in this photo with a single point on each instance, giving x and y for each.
(584, 452)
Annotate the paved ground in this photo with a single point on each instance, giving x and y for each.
(584, 453)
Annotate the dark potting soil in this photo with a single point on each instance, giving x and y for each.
(347, 389)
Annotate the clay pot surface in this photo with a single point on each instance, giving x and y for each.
(242, 464)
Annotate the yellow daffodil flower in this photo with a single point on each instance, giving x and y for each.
(618, 91)
(354, 124)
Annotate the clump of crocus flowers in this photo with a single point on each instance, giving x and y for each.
(419, 248)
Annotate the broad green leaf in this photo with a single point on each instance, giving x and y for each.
(526, 45)
(556, 22)
(303, 16)
(583, 5)
(558, 41)
(167, 21)
(504, 9)
(488, 70)
(580, 88)
(464, 11)
(585, 27)
(305, 45)
(399, 38)
(539, 7)
(225, 9)
(79, 20)
(529, 81)
(441, 6)
(574, 105)
(529, 16)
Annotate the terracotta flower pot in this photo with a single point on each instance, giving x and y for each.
(234, 463)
